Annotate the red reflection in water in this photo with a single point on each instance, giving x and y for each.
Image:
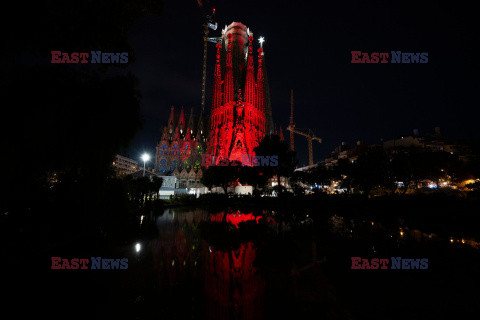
(233, 288)
(234, 218)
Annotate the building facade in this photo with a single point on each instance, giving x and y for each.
(181, 144)
(123, 165)
(240, 113)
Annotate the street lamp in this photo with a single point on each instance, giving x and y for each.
(145, 158)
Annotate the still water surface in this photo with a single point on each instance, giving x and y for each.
(262, 265)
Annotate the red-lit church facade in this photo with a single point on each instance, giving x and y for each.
(240, 112)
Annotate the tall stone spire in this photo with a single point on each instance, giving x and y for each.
(171, 119)
(266, 97)
(260, 89)
(181, 121)
(217, 87)
(250, 78)
(190, 121)
(228, 83)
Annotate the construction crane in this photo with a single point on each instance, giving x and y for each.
(309, 134)
(291, 124)
(208, 24)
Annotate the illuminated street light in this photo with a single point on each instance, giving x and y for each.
(138, 247)
(145, 158)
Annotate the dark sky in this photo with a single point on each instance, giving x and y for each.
(307, 49)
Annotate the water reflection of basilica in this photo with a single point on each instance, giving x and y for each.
(232, 286)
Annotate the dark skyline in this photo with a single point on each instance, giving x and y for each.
(307, 49)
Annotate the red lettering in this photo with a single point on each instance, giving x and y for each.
(74, 57)
(74, 263)
(365, 58)
(66, 264)
(55, 261)
(84, 263)
(356, 263)
(55, 58)
(65, 57)
(355, 56)
(84, 56)
(374, 57)
(384, 56)
(384, 263)
(365, 264)
(374, 264)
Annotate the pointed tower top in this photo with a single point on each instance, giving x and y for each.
(171, 118)
(281, 134)
(164, 133)
(200, 125)
(190, 119)
(181, 121)
(188, 136)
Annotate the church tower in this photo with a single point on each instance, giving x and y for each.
(238, 112)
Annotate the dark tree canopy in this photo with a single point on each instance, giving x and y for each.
(69, 119)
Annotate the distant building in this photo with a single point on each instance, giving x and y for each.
(168, 187)
(123, 165)
(179, 150)
(188, 179)
(343, 151)
(430, 142)
(181, 144)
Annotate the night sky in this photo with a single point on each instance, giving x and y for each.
(307, 49)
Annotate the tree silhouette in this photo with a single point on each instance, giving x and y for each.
(222, 175)
(271, 145)
(69, 119)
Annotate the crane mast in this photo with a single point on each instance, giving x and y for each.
(309, 134)
(292, 124)
(207, 25)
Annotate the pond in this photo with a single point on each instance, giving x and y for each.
(232, 264)
(265, 264)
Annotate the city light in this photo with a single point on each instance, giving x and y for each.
(138, 247)
(261, 40)
(145, 158)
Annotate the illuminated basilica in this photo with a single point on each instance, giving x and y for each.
(240, 114)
